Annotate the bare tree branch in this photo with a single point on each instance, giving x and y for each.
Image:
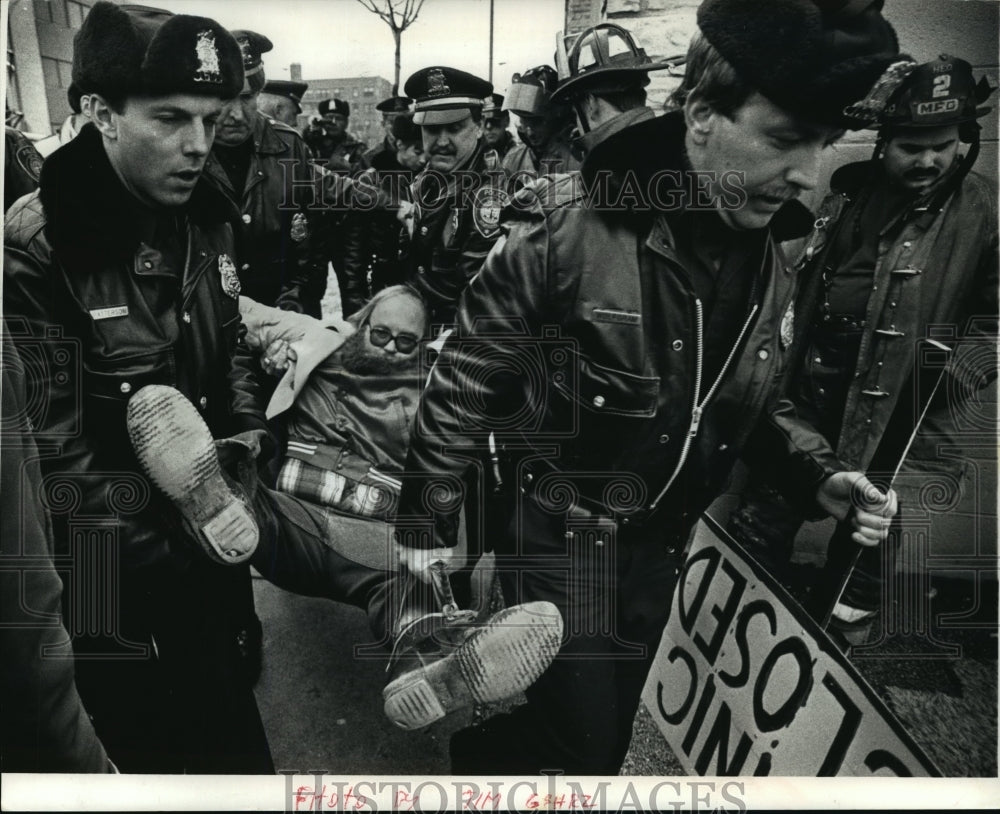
(398, 15)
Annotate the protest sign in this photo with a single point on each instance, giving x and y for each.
(745, 682)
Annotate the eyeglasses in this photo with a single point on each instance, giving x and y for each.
(381, 336)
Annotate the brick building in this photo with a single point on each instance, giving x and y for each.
(361, 92)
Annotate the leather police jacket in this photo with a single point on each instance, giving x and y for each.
(454, 229)
(522, 165)
(373, 241)
(579, 346)
(275, 224)
(935, 276)
(97, 308)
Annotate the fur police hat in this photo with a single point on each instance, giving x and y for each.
(811, 57)
(122, 51)
(335, 106)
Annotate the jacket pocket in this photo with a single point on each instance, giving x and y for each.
(231, 330)
(115, 380)
(607, 391)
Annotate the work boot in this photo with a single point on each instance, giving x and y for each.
(176, 450)
(463, 662)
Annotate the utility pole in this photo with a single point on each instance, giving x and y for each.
(491, 42)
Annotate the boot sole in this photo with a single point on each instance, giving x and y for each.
(176, 450)
(500, 660)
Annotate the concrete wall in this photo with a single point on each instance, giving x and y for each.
(43, 29)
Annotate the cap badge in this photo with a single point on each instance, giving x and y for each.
(208, 58)
(436, 83)
(300, 228)
(244, 44)
(230, 279)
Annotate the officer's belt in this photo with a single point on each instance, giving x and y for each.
(582, 507)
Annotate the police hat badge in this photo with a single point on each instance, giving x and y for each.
(487, 203)
(300, 227)
(230, 279)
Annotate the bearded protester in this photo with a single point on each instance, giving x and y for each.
(455, 223)
(348, 396)
(256, 164)
(904, 241)
(544, 125)
(128, 255)
(623, 353)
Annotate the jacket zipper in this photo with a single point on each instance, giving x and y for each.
(697, 407)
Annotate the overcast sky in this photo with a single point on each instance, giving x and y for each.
(338, 38)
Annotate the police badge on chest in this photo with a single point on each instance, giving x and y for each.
(230, 279)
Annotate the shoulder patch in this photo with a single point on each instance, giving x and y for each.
(29, 159)
(487, 203)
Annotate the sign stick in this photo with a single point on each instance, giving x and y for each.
(842, 536)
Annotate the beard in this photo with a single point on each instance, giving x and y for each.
(356, 356)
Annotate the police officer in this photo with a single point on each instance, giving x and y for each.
(250, 164)
(331, 143)
(130, 254)
(904, 241)
(496, 125)
(543, 125)
(382, 157)
(455, 224)
(373, 238)
(624, 351)
(281, 100)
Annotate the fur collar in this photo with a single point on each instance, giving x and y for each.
(90, 216)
